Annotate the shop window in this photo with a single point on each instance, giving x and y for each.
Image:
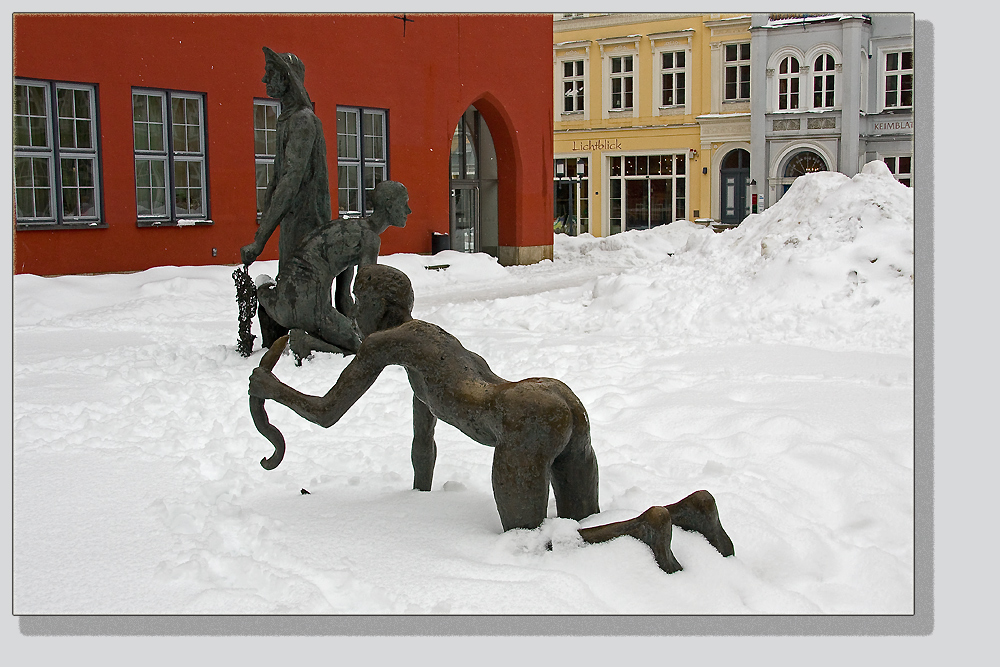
(672, 78)
(362, 158)
(646, 191)
(901, 167)
(737, 72)
(573, 86)
(56, 165)
(898, 79)
(265, 146)
(171, 179)
(788, 83)
(824, 81)
(621, 83)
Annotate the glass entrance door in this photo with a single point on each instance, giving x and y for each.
(572, 197)
(464, 211)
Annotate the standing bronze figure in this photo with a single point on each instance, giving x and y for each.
(313, 250)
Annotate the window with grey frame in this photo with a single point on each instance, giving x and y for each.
(265, 146)
(362, 158)
(56, 155)
(171, 178)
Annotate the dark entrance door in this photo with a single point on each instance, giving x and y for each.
(735, 182)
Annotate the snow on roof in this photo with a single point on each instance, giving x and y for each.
(723, 115)
(779, 23)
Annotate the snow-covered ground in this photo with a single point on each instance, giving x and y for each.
(771, 364)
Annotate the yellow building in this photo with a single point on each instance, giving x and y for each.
(651, 120)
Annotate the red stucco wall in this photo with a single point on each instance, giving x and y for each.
(501, 63)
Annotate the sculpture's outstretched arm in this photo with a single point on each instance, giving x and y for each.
(326, 410)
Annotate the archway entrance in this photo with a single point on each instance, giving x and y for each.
(802, 162)
(473, 175)
(735, 178)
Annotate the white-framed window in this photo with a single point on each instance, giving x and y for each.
(56, 165)
(573, 90)
(897, 79)
(824, 81)
(265, 146)
(673, 78)
(901, 167)
(646, 190)
(171, 178)
(736, 63)
(622, 94)
(788, 83)
(362, 158)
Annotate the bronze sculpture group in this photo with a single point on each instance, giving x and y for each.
(538, 428)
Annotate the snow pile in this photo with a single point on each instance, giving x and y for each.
(831, 264)
(751, 363)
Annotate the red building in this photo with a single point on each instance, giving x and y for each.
(147, 145)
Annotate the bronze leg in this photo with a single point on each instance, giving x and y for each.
(652, 527)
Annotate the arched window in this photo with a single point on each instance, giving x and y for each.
(805, 162)
(824, 76)
(788, 83)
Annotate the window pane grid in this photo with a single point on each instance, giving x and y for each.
(347, 135)
(31, 185)
(74, 113)
(362, 158)
(573, 96)
(672, 77)
(55, 181)
(170, 177)
(265, 142)
(901, 168)
(824, 81)
(186, 124)
(31, 116)
(737, 72)
(621, 83)
(899, 79)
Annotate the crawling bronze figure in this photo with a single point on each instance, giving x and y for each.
(538, 428)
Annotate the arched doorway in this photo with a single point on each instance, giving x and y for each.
(473, 185)
(802, 162)
(734, 175)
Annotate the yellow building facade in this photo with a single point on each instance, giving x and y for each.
(651, 120)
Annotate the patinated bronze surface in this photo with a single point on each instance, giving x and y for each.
(538, 428)
(298, 197)
(301, 299)
(313, 250)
